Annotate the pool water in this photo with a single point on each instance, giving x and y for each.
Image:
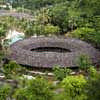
(15, 39)
(14, 36)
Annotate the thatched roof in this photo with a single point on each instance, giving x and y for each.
(46, 52)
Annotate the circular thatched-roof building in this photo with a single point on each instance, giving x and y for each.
(46, 52)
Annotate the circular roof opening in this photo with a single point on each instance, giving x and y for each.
(51, 49)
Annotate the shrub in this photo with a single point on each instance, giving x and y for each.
(92, 72)
(84, 62)
(1, 58)
(35, 89)
(34, 30)
(12, 69)
(82, 33)
(51, 30)
(1, 55)
(93, 88)
(60, 96)
(60, 73)
(3, 29)
(94, 38)
(74, 87)
(87, 34)
(4, 92)
(42, 30)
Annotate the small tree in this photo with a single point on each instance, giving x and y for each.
(61, 73)
(74, 87)
(35, 89)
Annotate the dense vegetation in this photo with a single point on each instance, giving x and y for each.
(75, 18)
(67, 18)
(81, 86)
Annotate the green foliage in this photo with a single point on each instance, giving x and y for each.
(12, 69)
(82, 33)
(93, 87)
(35, 4)
(42, 16)
(74, 87)
(3, 29)
(42, 30)
(35, 89)
(50, 29)
(60, 96)
(61, 73)
(4, 91)
(7, 23)
(6, 43)
(94, 38)
(58, 16)
(90, 8)
(84, 62)
(92, 72)
(88, 34)
(1, 55)
(34, 30)
(68, 15)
